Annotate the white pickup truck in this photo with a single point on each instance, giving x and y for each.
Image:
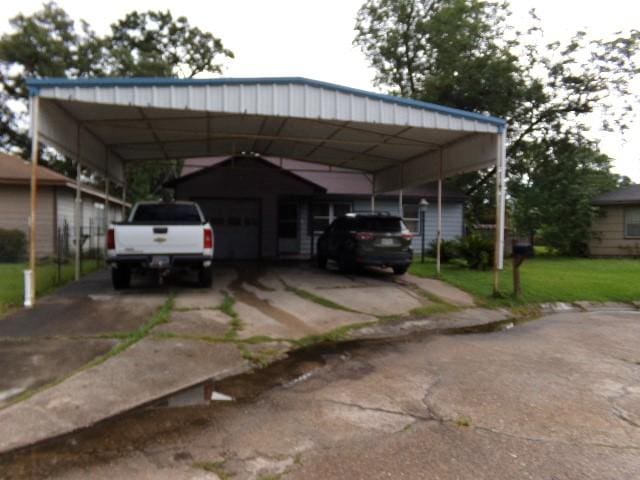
(161, 237)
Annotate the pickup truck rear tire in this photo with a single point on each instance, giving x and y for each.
(400, 270)
(205, 277)
(120, 278)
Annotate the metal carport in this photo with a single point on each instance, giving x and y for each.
(104, 123)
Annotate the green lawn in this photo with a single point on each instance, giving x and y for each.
(548, 279)
(12, 280)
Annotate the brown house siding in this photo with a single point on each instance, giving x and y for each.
(247, 178)
(608, 234)
(14, 214)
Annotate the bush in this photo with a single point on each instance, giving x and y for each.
(477, 250)
(13, 244)
(449, 249)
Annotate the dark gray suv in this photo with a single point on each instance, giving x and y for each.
(360, 239)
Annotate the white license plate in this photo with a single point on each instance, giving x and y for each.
(160, 261)
(387, 242)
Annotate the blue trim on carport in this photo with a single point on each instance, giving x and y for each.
(35, 84)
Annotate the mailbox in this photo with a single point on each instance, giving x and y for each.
(523, 250)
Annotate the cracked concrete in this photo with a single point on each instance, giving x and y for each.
(87, 319)
(549, 399)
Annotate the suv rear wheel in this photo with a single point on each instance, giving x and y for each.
(322, 261)
(345, 262)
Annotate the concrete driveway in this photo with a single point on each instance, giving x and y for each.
(88, 352)
(555, 398)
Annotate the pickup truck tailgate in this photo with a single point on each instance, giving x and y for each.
(161, 239)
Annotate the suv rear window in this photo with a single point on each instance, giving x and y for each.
(167, 213)
(380, 224)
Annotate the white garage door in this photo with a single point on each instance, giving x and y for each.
(236, 223)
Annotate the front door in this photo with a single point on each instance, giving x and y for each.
(288, 231)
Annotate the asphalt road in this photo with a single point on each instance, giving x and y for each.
(556, 398)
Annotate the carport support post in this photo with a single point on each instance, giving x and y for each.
(106, 196)
(501, 170)
(30, 290)
(78, 210)
(77, 221)
(439, 234)
(373, 194)
(124, 200)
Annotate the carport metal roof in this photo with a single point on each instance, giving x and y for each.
(104, 123)
(400, 140)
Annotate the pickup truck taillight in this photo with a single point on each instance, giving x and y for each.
(111, 239)
(208, 238)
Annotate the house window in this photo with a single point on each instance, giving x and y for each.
(324, 213)
(411, 217)
(632, 222)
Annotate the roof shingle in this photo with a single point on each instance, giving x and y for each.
(625, 196)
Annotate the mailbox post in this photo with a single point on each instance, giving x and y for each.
(520, 252)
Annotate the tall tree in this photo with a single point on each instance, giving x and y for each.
(49, 43)
(553, 201)
(46, 44)
(154, 44)
(461, 53)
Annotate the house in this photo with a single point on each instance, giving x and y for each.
(616, 230)
(268, 207)
(55, 208)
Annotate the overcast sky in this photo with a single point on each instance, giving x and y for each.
(314, 39)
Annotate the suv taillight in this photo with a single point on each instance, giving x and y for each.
(366, 236)
(111, 239)
(208, 238)
(407, 236)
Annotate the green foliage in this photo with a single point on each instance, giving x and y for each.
(13, 244)
(49, 43)
(12, 280)
(477, 250)
(154, 44)
(449, 249)
(553, 201)
(547, 279)
(462, 53)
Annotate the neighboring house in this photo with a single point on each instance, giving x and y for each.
(55, 208)
(276, 208)
(616, 230)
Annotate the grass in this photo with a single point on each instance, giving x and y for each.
(214, 467)
(12, 280)
(259, 358)
(227, 307)
(547, 279)
(336, 335)
(312, 297)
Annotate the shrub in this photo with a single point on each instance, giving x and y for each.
(13, 244)
(477, 250)
(449, 249)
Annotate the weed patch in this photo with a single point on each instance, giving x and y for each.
(214, 467)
